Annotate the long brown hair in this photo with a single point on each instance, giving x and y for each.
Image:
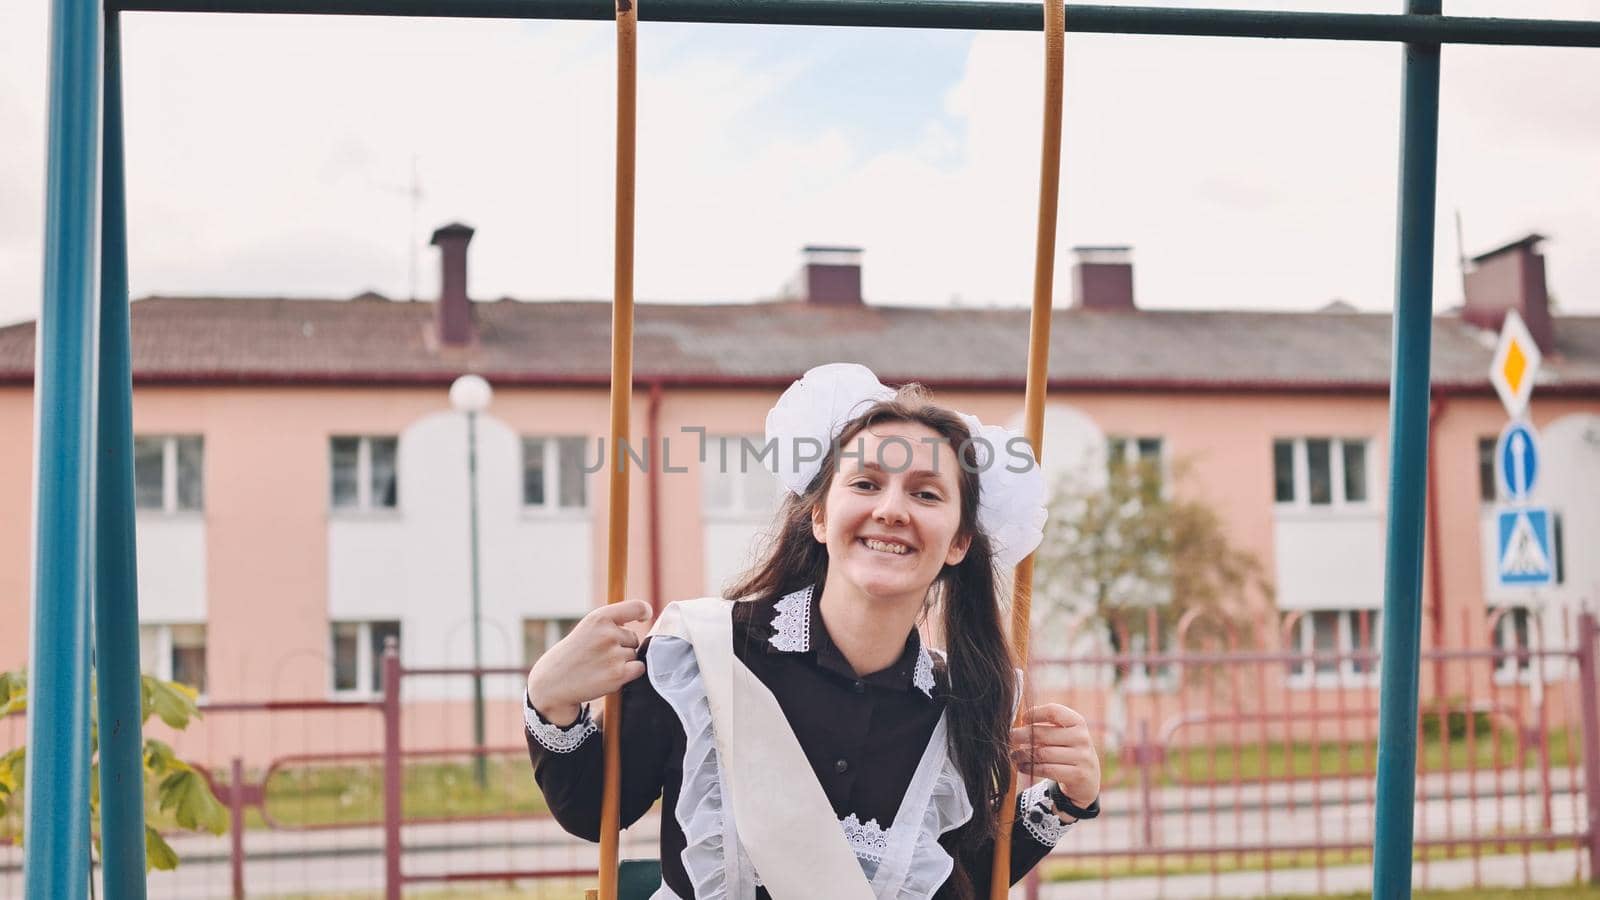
(982, 681)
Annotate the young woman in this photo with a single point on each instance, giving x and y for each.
(805, 742)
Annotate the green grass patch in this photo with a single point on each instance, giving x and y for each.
(1176, 864)
(353, 794)
(1251, 760)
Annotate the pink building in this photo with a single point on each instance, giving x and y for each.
(302, 484)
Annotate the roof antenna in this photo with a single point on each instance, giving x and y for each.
(1461, 258)
(416, 202)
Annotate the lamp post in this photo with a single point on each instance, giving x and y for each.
(471, 394)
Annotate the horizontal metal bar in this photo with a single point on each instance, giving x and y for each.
(506, 875)
(264, 706)
(464, 670)
(1250, 657)
(957, 14)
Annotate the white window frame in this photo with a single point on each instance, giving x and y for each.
(364, 505)
(1508, 669)
(553, 631)
(366, 660)
(1307, 677)
(551, 507)
(746, 502)
(169, 476)
(1130, 448)
(1338, 487)
(1130, 455)
(161, 634)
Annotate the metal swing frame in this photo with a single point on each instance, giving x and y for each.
(83, 559)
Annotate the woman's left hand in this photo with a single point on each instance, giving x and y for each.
(1053, 742)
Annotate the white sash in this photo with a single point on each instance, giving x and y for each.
(786, 824)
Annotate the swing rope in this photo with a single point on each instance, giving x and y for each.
(1044, 266)
(621, 397)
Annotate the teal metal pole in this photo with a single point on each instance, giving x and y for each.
(116, 594)
(56, 828)
(979, 15)
(1408, 468)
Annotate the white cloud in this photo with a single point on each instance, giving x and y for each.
(272, 155)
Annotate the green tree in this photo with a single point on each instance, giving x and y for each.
(1134, 546)
(181, 794)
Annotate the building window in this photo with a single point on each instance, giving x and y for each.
(738, 476)
(552, 473)
(1488, 485)
(358, 655)
(174, 653)
(1329, 641)
(1320, 472)
(167, 473)
(1139, 455)
(1513, 642)
(539, 635)
(365, 473)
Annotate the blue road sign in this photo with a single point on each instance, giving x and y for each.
(1523, 556)
(1516, 460)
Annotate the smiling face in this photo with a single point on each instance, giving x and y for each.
(892, 513)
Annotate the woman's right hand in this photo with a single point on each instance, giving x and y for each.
(595, 659)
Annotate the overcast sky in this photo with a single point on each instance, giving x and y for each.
(273, 156)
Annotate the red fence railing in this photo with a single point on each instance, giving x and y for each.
(1236, 770)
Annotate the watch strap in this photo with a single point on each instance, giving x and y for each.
(1062, 804)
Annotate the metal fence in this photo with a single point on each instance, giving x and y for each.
(1230, 770)
(1251, 773)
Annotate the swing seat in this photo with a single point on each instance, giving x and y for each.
(637, 879)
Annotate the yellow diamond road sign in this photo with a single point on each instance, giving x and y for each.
(1516, 362)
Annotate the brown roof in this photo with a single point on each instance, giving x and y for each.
(375, 341)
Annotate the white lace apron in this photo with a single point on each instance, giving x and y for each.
(747, 820)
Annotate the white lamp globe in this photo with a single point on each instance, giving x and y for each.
(471, 394)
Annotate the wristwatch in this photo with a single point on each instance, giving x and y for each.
(1062, 804)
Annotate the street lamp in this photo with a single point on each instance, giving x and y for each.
(471, 394)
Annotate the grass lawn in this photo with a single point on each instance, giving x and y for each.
(352, 794)
(1177, 864)
(1277, 760)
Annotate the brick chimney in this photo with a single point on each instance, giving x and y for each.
(1102, 278)
(831, 276)
(455, 323)
(1511, 277)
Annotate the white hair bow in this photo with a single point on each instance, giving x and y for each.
(808, 419)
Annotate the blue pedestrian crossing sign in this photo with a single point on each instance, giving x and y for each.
(1516, 460)
(1524, 557)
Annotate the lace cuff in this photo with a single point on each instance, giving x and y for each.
(553, 737)
(1038, 815)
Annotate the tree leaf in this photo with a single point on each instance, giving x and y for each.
(192, 804)
(160, 759)
(158, 854)
(13, 692)
(174, 703)
(11, 771)
(11, 777)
